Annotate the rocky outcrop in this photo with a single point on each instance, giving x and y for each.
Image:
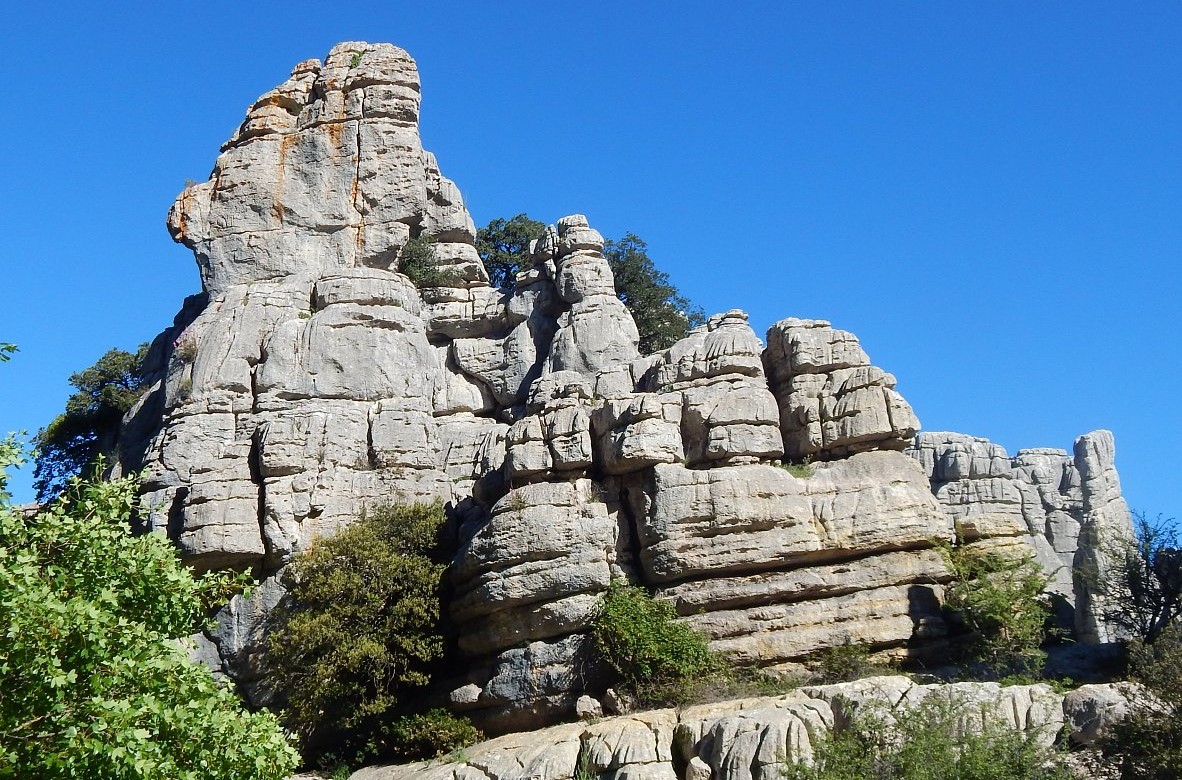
(744, 739)
(1040, 501)
(311, 379)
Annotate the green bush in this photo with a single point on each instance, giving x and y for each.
(94, 682)
(1147, 745)
(419, 261)
(1000, 601)
(1141, 591)
(432, 734)
(846, 662)
(355, 643)
(648, 649)
(929, 741)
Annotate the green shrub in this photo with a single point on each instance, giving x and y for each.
(432, 734)
(1147, 745)
(846, 662)
(929, 741)
(1141, 590)
(648, 649)
(420, 262)
(802, 470)
(355, 643)
(95, 680)
(1000, 601)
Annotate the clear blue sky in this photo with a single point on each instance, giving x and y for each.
(988, 194)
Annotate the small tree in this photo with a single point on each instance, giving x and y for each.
(356, 642)
(89, 426)
(662, 314)
(1142, 590)
(420, 262)
(641, 640)
(504, 247)
(95, 680)
(1147, 744)
(1000, 600)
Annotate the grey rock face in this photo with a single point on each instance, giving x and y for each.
(744, 739)
(312, 379)
(1036, 502)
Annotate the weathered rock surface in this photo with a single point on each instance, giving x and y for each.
(311, 379)
(1041, 500)
(744, 739)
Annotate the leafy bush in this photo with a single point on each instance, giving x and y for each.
(846, 662)
(999, 600)
(1147, 745)
(359, 635)
(641, 641)
(434, 733)
(503, 245)
(419, 261)
(663, 315)
(941, 737)
(95, 682)
(1141, 591)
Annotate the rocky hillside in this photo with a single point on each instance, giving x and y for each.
(311, 379)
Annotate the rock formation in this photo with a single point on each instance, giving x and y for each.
(749, 739)
(311, 379)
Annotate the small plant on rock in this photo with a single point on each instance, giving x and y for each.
(642, 641)
(420, 262)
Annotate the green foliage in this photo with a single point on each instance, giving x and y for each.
(999, 600)
(431, 734)
(96, 682)
(355, 60)
(662, 314)
(641, 641)
(504, 247)
(89, 426)
(802, 470)
(846, 662)
(420, 262)
(360, 635)
(1147, 745)
(941, 738)
(1142, 590)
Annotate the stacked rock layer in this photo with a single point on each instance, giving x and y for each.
(311, 379)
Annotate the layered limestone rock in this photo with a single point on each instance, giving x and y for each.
(311, 379)
(749, 739)
(1040, 500)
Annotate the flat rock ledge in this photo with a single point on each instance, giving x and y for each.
(749, 739)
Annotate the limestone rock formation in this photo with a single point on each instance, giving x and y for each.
(745, 739)
(311, 379)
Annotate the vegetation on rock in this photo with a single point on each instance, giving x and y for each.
(662, 314)
(938, 738)
(420, 262)
(640, 639)
(89, 426)
(1147, 745)
(1141, 592)
(1000, 601)
(503, 245)
(359, 636)
(97, 681)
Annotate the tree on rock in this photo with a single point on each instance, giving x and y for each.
(504, 247)
(90, 424)
(662, 314)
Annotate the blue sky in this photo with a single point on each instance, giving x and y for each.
(988, 194)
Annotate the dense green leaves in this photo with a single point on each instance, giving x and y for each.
(640, 639)
(941, 738)
(504, 247)
(662, 314)
(1147, 745)
(1000, 600)
(96, 680)
(89, 426)
(360, 633)
(420, 262)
